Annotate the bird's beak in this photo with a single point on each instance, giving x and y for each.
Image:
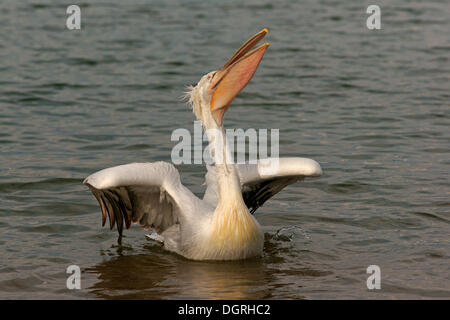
(235, 74)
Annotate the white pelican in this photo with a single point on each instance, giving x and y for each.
(221, 225)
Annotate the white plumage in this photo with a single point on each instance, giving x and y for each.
(221, 225)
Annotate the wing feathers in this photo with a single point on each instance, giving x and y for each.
(257, 194)
(261, 181)
(136, 193)
(102, 205)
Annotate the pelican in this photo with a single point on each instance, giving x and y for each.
(221, 226)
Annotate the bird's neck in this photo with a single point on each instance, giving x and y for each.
(229, 186)
(232, 226)
(231, 206)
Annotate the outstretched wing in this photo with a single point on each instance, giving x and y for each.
(261, 181)
(147, 193)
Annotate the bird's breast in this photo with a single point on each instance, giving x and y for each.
(233, 234)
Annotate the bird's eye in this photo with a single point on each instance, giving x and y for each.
(210, 77)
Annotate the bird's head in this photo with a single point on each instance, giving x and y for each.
(214, 92)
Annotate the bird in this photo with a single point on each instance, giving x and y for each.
(221, 225)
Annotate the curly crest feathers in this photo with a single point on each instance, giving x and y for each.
(190, 95)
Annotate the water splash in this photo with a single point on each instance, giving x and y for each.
(289, 233)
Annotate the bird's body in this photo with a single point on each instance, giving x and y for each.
(221, 225)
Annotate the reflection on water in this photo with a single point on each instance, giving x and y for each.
(164, 276)
(157, 274)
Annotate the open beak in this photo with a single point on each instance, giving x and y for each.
(235, 74)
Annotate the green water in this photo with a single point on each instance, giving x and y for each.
(372, 107)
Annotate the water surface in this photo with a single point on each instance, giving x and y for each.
(372, 107)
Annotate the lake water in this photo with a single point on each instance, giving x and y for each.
(371, 106)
